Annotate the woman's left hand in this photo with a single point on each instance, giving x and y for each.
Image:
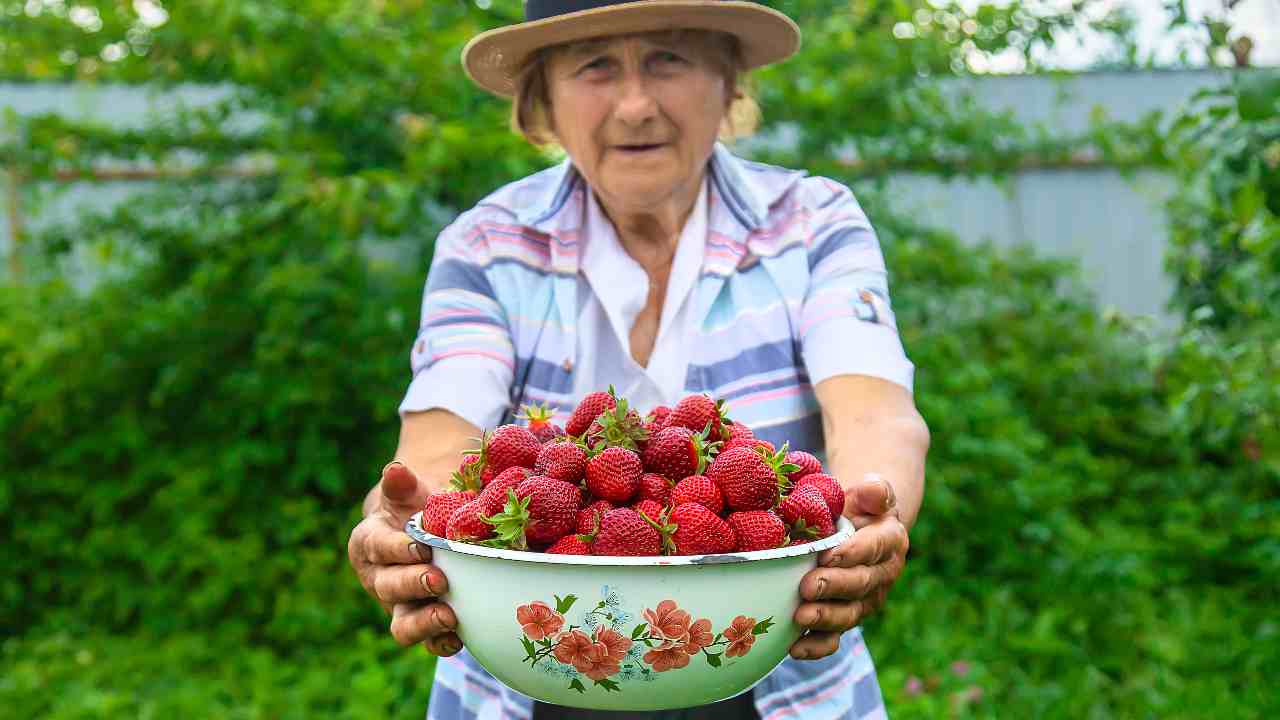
(852, 579)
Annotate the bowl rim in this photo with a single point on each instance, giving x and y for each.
(844, 530)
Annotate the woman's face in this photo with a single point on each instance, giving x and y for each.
(638, 115)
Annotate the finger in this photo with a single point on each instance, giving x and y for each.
(815, 645)
(402, 494)
(444, 645)
(847, 583)
(417, 622)
(406, 583)
(871, 545)
(384, 546)
(873, 496)
(829, 616)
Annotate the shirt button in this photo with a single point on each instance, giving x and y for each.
(567, 365)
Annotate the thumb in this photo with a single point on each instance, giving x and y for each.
(872, 496)
(402, 494)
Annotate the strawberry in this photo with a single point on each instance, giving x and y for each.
(698, 413)
(698, 489)
(656, 420)
(698, 531)
(748, 479)
(808, 465)
(758, 530)
(538, 420)
(654, 487)
(831, 492)
(624, 531)
(678, 452)
(737, 431)
(553, 508)
(494, 495)
(570, 545)
(753, 442)
(562, 460)
(588, 410)
(588, 521)
(439, 506)
(614, 475)
(471, 474)
(651, 509)
(508, 446)
(618, 427)
(468, 524)
(806, 514)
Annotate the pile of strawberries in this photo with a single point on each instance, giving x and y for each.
(683, 481)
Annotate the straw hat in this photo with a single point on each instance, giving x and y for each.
(492, 58)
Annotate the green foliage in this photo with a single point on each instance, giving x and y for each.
(185, 443)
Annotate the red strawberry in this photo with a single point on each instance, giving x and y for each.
(758, 530)
(588, 521)
(471, 474)
(651, 509)
(698, 489)
(435, 514)
(697, 412)
(737, 431)
(494, 496)
(562, 460)
(678, 452)
(656, 421)
(570, 545)
(538, 419)
(467, 523)
(698, 531)
(806, 514)
(747, 479)
(808, 465)
(753, 442)
(588, 410)
(508, 446)
(614, 475)
(624, 531)
(618, 427)
(654, 487)
(831, 492)
(553, 508)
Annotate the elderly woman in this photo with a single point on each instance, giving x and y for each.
(655, 260)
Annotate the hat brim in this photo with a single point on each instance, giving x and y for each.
(492, 58)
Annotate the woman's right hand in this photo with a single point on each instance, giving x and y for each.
(397, 571)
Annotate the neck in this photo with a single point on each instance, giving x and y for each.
(650, 234)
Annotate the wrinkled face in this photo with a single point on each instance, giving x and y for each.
(638, 115)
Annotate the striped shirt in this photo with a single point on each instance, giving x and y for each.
(792, 290)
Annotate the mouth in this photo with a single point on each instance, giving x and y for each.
(636, 149)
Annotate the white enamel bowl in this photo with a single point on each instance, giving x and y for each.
(626, 633)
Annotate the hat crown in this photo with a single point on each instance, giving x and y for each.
(543, 9)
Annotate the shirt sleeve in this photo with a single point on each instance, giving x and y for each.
(463, 359)
(847, 326)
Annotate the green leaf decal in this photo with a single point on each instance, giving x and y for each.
(563, 605)
(609, 685)
(528, 648)
(763, 626)
(576, 684)
(635, 634)
(713, 659)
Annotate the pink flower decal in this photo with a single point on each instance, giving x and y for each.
(597, 657)
(740, 636)
(664, 659)
(699, 636)
(538, 620)
(668, 624)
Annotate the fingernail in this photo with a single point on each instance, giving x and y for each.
(822, 589)
(389, 465)
(425, 579)
(421, 551)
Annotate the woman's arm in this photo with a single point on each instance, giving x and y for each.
(872, 426)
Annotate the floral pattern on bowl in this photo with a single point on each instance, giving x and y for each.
(599, 649)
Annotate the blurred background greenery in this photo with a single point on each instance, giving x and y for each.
(184, 441)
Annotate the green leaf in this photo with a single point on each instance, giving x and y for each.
(563, 604)
(576, 684)
(528, 648)
(763, 626)
(638, 631)
(609, 685)
(713, 659)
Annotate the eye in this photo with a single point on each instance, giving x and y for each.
(599, 63)
(666, 56)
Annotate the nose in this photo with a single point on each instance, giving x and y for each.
(636, 103)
